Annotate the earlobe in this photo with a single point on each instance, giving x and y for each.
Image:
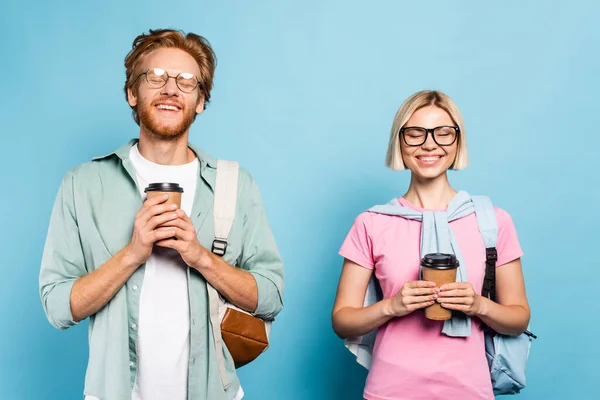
(200, 106)
(131, 98)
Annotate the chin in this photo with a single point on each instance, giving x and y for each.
(428, 174)
(166, 131)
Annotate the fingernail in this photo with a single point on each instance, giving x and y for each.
(173, 206)
(165, 196)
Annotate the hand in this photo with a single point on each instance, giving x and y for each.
(185, 241)
(460, 296)
(148, 228)
(412, 296)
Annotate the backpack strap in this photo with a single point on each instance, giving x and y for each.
(488, 227)
(225, 203)
(223, 213)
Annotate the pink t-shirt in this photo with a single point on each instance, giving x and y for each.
(412, 359)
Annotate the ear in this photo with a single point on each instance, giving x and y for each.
(131, 98)
(200, 105)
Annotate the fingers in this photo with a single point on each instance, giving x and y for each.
(420, 291)
(457, 307)
(162, 220)
(456, 300)
(146, 213)
(183, 233)
(152, 202)
(456, 293)
(179, 222)
(419, 305)
(417, 288)
(169, 243)
(159, 234)
(456, 285)
(419, 299)
(184, 216)
(419, 284)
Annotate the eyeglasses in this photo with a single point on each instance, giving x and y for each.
(442, 135)
(157, 78)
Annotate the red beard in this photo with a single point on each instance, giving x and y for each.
(172, 130)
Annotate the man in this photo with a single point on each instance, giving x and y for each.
(138, 269)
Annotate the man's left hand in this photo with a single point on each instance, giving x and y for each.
(192, 252)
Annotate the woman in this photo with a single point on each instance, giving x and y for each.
(412, 358)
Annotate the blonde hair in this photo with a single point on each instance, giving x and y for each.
(195, 45)
(415, 102)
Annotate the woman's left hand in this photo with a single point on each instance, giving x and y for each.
(460, 296)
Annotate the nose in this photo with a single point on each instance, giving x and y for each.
(170, 88)
(429, 144)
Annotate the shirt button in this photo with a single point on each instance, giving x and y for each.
(131, 364)
(193, 361)
(193, 322)
(133, 326)
(135, 287)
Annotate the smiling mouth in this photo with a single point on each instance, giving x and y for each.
(167, 107)
(428, 159)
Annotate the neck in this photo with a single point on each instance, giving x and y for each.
(430, 194)
(165, 150)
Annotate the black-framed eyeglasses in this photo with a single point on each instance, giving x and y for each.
(442, 135)
(158, 77)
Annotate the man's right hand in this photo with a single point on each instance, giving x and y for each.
(147, 228)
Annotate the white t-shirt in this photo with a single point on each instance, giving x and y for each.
(164, 316)
(163, 345)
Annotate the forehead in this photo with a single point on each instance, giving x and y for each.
(430, 117)
(172, 60)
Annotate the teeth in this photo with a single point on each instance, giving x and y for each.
(429, 158)
(167, 107)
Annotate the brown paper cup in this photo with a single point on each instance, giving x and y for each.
(440, 277)
(174, 197)
(161, 188)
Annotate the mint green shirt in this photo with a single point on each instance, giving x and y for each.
(93, 219)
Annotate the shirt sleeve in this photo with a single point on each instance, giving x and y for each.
(62, 261)
(508, 246)
(260, 256)
(358, 246)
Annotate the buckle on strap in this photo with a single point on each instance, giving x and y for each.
(491, 254)
(219, 247)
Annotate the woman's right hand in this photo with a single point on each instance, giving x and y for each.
(413, 295)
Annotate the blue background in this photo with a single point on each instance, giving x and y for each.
(305, 93)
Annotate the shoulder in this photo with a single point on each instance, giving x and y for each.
(91, 170)
(365, 219)
(93, 177)
(81, 173)
(249, 195)
(373, 222)
(503, 217)
(245, 178)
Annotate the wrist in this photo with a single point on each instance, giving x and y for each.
(205, 261)
(128, 259)
(388, 308)
(483, 307)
